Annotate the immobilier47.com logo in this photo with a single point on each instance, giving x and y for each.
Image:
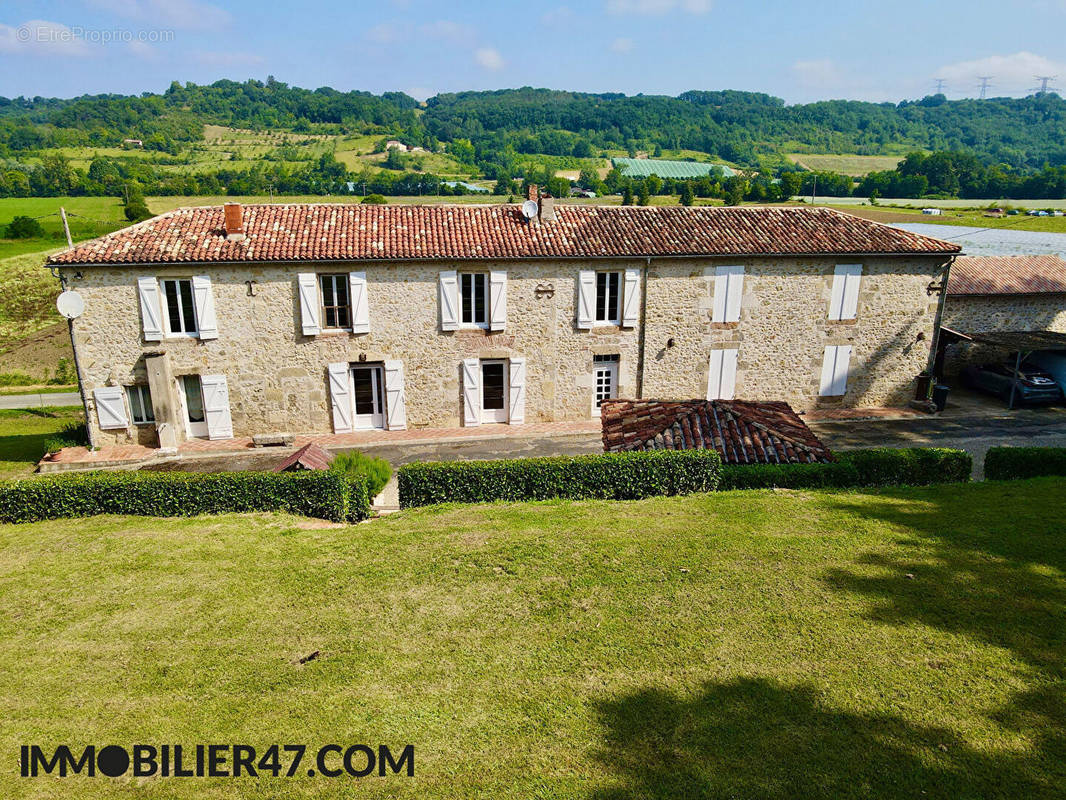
(216, 761)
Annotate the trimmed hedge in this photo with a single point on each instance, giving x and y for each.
(1008, 463)
(789, 476)
(607, 476)
(184, 494)
(908, 466)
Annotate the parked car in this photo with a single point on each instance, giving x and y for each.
(1033, 385)
(1052, 362)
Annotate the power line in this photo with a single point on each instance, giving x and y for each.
(939, 85)
(986, 82)
(1044, 88)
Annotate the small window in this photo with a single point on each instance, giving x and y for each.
(181, 310)
(608, 297)
(473, 299)
(140, 400)
(336, 301)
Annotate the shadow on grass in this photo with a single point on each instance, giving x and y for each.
(753, 738)
(28, 447)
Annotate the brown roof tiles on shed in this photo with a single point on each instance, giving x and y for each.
(985, 275)
(339, 232)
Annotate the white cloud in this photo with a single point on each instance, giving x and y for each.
(384, 33)
(449, 31)
(227, 58)
(489, 58)
(41, 37)
(622, 45)
(557, 16)
(143, 50)
(1013, 74)
(189, 14)
(658, 6)
(818, 73)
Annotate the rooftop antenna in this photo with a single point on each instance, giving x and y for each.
(1044, 88)
(939, 85)
(986, 83)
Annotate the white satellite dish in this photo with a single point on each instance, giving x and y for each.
(70, 304)
(529, 209)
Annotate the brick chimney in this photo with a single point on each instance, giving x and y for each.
(234, 222)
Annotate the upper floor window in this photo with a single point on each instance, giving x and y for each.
(728, 293)
(844, 302)
(609, 298)
(180, 307)
(336, 301)
(473, 299)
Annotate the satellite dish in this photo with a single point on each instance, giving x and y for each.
(70, 304)
(529, 209)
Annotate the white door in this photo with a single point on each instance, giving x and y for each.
(368, 397)
(606, 387)
(192, 398)
(494, 391)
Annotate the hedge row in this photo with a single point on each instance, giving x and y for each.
(788, 476)
(183, 494)
(1009, 463)
(607, 476)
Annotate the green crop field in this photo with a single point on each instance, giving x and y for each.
(856, 166)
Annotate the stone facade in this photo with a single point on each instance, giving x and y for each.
(277, 376)
(1000, 312)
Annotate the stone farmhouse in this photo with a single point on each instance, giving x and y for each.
(236, 321)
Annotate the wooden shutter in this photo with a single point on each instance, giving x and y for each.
(204, 299)
(449, 300)
(631, 298)
(471, 392)
(216, 407)
(310, 312)
(844, 303)
(497, 300)
(728, 292)
(517, 414)
(395, 397)
(586, 298)
(722, 375)
(360, 302)
(340, 396)
(835, 370)
(111, 407)
(148, 292)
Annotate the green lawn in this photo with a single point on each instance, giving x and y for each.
(23, 433)
(894, 644)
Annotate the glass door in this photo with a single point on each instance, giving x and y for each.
(368, 394)
(192, 397)
(493, 391)
(606, 384)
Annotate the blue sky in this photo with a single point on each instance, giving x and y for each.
(799, 51)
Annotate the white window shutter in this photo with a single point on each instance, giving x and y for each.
(844, 302)
(497, 300)
(517, 399)
(722, 375)
(586, 298)
(471, 392)
(204, 298)
(148, 292)
(395, 397)
(631, 298)
(449, 300)
(735, 294)
(360, 302)
(310, 313)
(216, 407)
(340, 396)
(835, 370)
(111, 407)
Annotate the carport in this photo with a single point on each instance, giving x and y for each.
(1022, 342)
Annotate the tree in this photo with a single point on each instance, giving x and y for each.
(374, 200)
(24, 228)
(627, 196)
(687, 195)
(642, 194)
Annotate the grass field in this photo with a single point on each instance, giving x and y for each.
(23, 434)
(856, 166)
(894, 644)
(968, 217)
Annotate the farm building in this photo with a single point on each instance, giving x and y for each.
(643, 167)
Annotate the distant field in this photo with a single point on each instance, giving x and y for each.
(856, 166)
(88, 217)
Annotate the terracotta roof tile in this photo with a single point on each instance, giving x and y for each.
(310, 456)
(323, 232)
(984, 275)
(742, 432)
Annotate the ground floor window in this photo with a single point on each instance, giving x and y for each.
(140, 400)
(493, 391)
(368, 396)
(606, 380)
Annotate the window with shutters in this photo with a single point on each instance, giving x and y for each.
(609, 298)
(474, 299)
(605, 369)
(336, 301)
(835, 370)
(844, 301)
(728, 294)
(140, 400)
(180, 307)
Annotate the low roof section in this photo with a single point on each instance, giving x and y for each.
(350, 232)
(742, 432)
(1007, 275)
(1014, 341)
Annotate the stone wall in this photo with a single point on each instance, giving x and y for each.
(1012, 312)
(277, 376)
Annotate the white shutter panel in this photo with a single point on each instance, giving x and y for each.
(735, 294)
(631, 298)
(204, 300)
(340, 396)
(722, 375)
(360, 302)
(395, 397)
(111, 407)
(517, 399)
(836, 300)
(471, 392)
(850, 301)
(148, 291)
(497, 300)
(586, 298)
(449, 301)
(840, 370)
(216, 407)
(310, 313)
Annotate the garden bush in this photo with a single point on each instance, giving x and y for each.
(73, 434)
(377, 471)
(908, 466)
(1009, 463)
(607, 476)
(321, 494)
(789, 476)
